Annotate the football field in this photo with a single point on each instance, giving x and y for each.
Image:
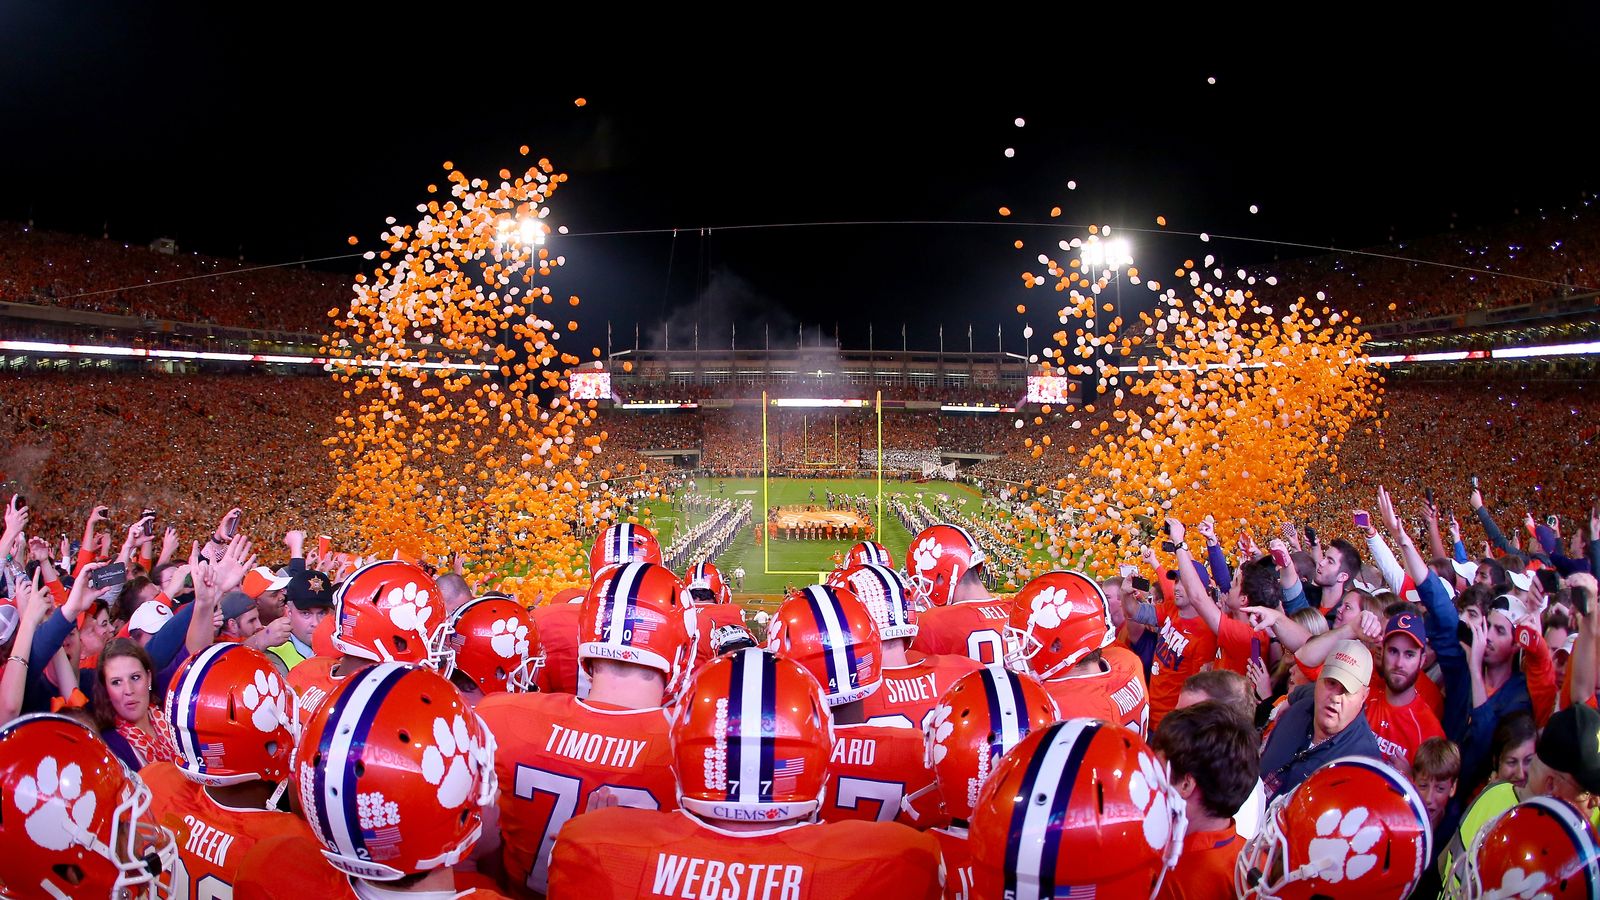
(802, 556)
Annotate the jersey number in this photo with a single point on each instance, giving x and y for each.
(566, 794)
(986, 647)
(208, 888)
(851, 791)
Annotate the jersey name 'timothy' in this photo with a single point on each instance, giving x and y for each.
(909, 693)
(212, 839)
(974, 629)
(871, 768)
(553, 751)
(611, 854)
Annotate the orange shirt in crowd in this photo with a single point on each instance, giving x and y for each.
(909, 693)
(1235, 641)
(553, 751)
(612, 854)
(1205, 870)
(1183, 647)
(1400, 730)
(974, 629)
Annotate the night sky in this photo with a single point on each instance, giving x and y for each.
(281, 130)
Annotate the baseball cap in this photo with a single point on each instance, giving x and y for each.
(1522, 581)
(1350, 664)
(236, 604)
(310, 590)
(259, 580)
(1467, 570)
(150, 617)
(1570, 743)
(1408, 624)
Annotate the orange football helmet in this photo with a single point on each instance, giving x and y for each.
(1057, 619)
(235, 720)
(938, 558)
(391, 611)
(393, 771)
(491, 641)
(1541, 847)
(72, 817)
(751, 740)
(829, 632)
(1079, 804)
(1355, 827)
(623, 543)
(983, 715)
(635, 613)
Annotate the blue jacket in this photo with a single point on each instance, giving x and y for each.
(1288, 758)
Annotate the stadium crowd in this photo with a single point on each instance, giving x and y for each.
(56, 269)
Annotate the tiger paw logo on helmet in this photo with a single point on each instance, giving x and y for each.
(1051, 607)
(927, 552)
(508, 638)
(58, 809)
(1516, 884)
(940, 728)
(265, 699)
(1340, 847)
(448, 763)
(409, 609)
(1148, 790)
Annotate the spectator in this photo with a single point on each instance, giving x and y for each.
(127, 708)
(1321, 723)
(1211, 751)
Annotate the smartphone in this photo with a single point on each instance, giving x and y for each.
(1363, 520)
(1474, 482)
(1128, 571)
(1580, 600)
(1169, 547)
(1311, 536)
(1428, 492)
(230, 526)
(1172, 574)
(1549, 580)
(324, 546)
(1464, 633)
(1167, 527)
(1141, 583)
(1255, 650)
(1553, 521)
(19, 501)
(1281, 557)
(108, 576)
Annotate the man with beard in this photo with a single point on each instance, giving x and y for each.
(1399, 717)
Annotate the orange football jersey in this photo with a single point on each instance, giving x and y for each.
(909, 693)
(212, 839)
(295, 867)
(975, 629)
(708, 618)
(557, 628)
(871, 768)
(313, 681)
(553, 751)
(1128, 689)
(957, 862)
(616, 853)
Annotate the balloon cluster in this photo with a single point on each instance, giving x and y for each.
(1212, 404)
(461, 434)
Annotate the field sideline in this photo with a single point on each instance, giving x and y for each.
(761, 589)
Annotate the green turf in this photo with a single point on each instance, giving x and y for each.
(807, 556)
